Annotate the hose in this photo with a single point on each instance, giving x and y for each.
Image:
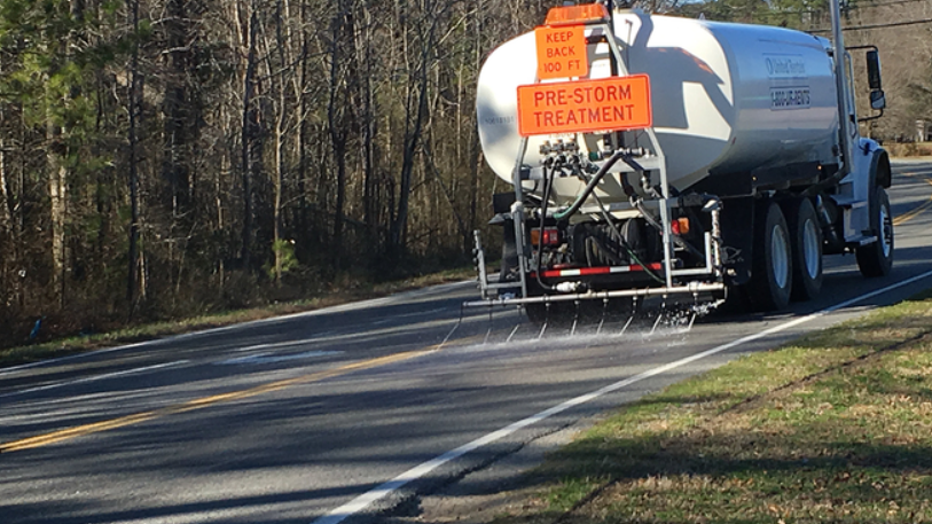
(548, 186)
(624, 243)
(590, 187)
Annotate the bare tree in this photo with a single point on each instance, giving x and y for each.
(134, 88)
(251, 123)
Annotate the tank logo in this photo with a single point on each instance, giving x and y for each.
(785, 66)
(498, 120)
(789, 98)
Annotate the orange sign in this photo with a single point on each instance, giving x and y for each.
(606, 104)
(561, 52)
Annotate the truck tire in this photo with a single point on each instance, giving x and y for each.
(772, 274)
(876, 258)
(806, 239)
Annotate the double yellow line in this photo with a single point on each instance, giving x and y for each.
(200, 403)
(909, 215)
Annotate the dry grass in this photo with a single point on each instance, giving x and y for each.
(908, 149)
(837, 428)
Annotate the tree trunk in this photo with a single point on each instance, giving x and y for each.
(336, 123)
(302, 78)
(58, 198)
(411, 142)
(133, 168)
(368, 121)
(279, 77)
(7, 248)
(175, 105)
(277, 207)
(249, 136)
(416, 103)
(6, 203)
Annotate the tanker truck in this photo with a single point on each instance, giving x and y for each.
(691, 160)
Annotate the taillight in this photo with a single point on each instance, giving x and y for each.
(680, 226)
(551, 236)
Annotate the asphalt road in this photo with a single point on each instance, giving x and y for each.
(342, 413)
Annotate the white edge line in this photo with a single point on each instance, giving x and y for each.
(212, 331)
(93, 379)
(13, 369)
(363, 501)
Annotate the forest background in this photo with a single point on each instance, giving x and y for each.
(165, 158)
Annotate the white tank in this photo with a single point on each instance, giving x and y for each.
(726, 98)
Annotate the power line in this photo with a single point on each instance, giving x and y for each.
(778, 14)
(876, 26)
(850, 7)
(881, 4)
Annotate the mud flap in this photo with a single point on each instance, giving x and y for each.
(737, 238)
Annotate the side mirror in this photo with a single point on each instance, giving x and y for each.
(873, 71)
(878, 100)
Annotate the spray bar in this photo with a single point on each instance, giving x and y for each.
(694, 288)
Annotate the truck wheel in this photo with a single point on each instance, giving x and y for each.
(876, 259)
(772, 273)
(806, 239)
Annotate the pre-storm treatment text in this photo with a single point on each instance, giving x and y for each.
(593, 105)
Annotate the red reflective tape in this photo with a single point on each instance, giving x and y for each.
(561, 273)
(595, 271)
(657, 266)
(591, 271)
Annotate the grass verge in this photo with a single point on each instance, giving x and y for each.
(834, 428)
(908, 149)
(63, 347)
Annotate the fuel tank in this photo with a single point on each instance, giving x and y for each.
(726, 98)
